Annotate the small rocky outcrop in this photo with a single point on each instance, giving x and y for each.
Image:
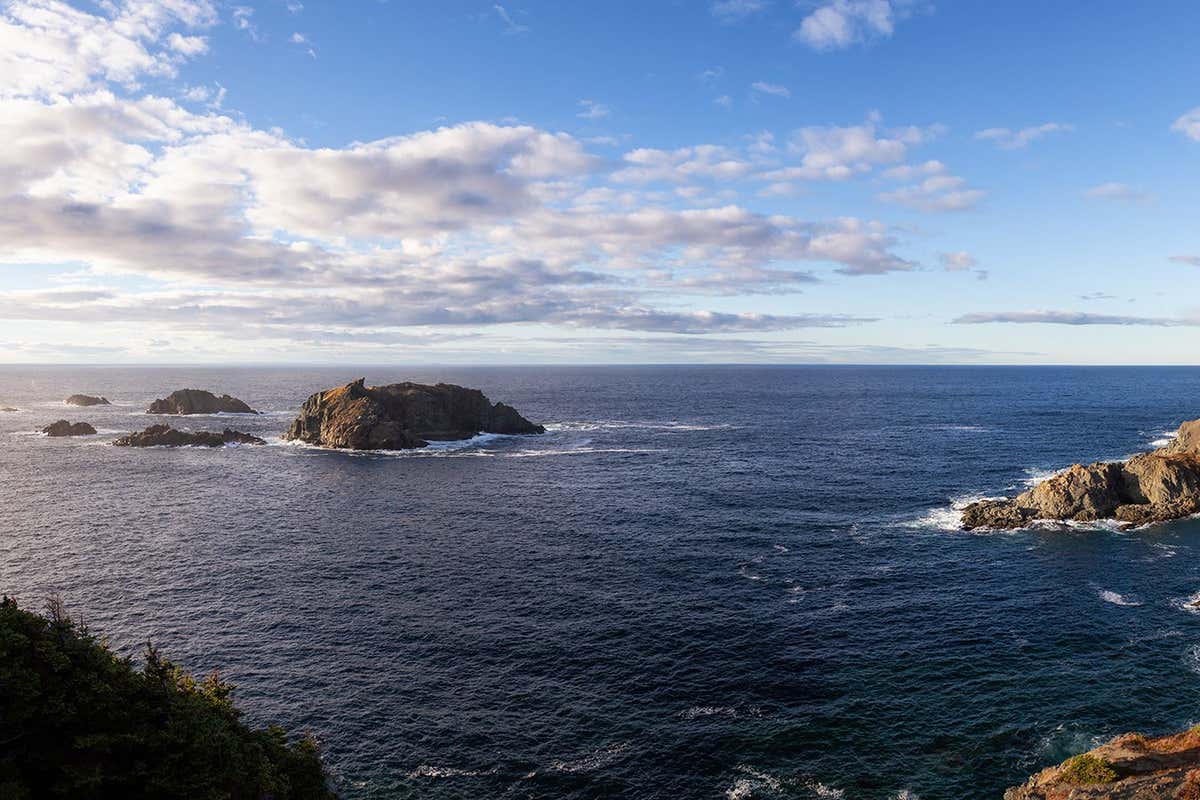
(64, 428)
(1151, 487)
(401, 416)
(86, 400)
(198, 401)
(9, 409)
(1130, 767)
(166, 436)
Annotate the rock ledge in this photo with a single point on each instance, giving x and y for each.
(64, 428)
(198, 401)
(166, 436)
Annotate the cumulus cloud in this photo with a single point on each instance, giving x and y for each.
(220, 226)
(838, 153)
(1069, 318)
(840, 24)
(1007, 139)
(936, 190)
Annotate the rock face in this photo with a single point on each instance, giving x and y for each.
(1130, 767)
(64, 428)
(86, 400)
(198, 401)
(166, 436)
(1151, 487)
(401, 416)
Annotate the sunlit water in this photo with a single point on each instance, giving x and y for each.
(703, 582)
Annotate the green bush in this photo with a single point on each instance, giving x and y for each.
(78, 721)
(1087, 768)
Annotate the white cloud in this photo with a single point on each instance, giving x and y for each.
(1121, 192)
(762, 87)
(1070, 318)
(840, 24)
(590, 109)
(242, 20)
(677, 166)
(1013, 139)
(510, 25)
(724, 101)
(1189, 124)
(958, 261)
(187, 45)
(838, 153)
(939, 192)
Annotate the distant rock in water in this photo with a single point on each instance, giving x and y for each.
(166, 436)
(86, 400)
(1130, 767)
(1151, 487)
(9, 409)
(64, 428)
(401, 416)
(198, 401)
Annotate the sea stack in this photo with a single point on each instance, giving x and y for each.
(402, 416)
(64, 428)
(166, 436)
(198, 401)
(1150, 487)
(86, 400)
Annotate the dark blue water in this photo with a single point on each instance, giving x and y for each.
(702, 583)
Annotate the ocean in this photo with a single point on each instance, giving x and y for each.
(702, 582)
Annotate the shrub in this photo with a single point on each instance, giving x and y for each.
(81, 722)
(1087, 768)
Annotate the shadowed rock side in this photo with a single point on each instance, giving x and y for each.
(1151, 487)
(9, 409)
(86, 400)
(1130, 767)
(166, 436)
(401, 416)
(64, 428)
(198, 401)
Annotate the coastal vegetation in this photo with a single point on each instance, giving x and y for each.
(82, 722)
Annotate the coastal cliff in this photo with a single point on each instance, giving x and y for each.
(1130, 767)
(1151, 487)
(401, 416)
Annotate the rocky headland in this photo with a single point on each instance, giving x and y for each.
(1130, 767)
(402, 416)
(166, 436)
(64, 428)
(86, 400)
(1151, 487)
(198, 401)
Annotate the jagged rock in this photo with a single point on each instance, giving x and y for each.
(8, 409)
(1130, 767)
(1150, 487)
(166, 436)
(86, 400)
(198, 401)
(64, 428)
(401, 416)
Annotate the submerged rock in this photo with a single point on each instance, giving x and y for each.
(198, 401)
(64, 428)
(86, 400)
(166, 436)
(1150, 487)
(1130, 767)
(401, 416)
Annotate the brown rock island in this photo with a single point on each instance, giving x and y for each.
(86, 400)
(198, 401)
(64, 428)
(1151, 487)
(166, 436)
(402, 416)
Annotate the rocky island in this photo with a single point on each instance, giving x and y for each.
(401, 416)
(86, 400)
(198, 401)
(1130, 767)
(64, 428)
(1151, 487)
(166, 436)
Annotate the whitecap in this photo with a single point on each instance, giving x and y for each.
(948, 518)
(1190, 604)
(649, 425)
(1116, 598)
(592, 761)
(1191, 658)
(429, 771)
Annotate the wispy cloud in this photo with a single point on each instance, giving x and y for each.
(1070, 318)
(510, 25)
(1190, 260)
(775, 89)
(1121, 192)
(1008, 139)
(735, 10)
(590, 109)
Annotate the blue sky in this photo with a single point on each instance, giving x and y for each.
(863, 181)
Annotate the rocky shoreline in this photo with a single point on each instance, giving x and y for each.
(1161, 485)
(166, 436)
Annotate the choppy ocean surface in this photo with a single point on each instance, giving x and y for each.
(720, 582)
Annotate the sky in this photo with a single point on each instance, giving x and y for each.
(660, 181)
